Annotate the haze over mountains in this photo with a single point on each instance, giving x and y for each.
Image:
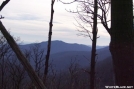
(62, 54)
(60, 46)
(65, 56)
(71, 59)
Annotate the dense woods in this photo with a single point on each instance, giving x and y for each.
(37, 66)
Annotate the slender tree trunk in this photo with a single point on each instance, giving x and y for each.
(49, 42)
(122, 41)
(93, 55)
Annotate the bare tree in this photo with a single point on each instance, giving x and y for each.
(93, 54)
(37, 81)
(121, 32)
(87, 12)
(16, 73)
(74, 73)
(5, 53)
(49, 42)
(37, 55)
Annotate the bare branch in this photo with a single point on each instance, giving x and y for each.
(22, 58)
(68, 2)
(3, 4)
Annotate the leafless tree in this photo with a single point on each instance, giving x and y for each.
(5, 53)
(49, 42)
(37, 81)
(16, 73)
(87, 11)
(37, 55)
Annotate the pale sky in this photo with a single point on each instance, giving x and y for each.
(29, 20)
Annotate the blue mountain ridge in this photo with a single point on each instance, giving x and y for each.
(62, 54)
(59, 46)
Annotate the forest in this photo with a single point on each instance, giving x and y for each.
(60, 65)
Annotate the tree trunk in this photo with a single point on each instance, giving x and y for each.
(121, 46)
(93, 54)
(49, 42)
(36, 80)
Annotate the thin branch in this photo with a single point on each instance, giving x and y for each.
(68, 2)
(3, 4)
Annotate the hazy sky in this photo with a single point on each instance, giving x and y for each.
(29, 20)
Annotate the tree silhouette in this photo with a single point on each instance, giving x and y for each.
(122, 41)
(121, 33)
(93, 54)
(37, 81)
(49, 42)
(88, 13)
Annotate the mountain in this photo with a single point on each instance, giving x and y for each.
(104, 72)
(63, 54)
(59, 46)
(67, 60)
(98, 47)
(63, 60)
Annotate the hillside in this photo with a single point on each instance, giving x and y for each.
(62, 54)
(67, 62)
(59, 46)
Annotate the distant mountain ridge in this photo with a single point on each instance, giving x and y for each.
(60, 46)
(63, 53)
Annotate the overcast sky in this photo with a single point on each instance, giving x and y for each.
(29, 20)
